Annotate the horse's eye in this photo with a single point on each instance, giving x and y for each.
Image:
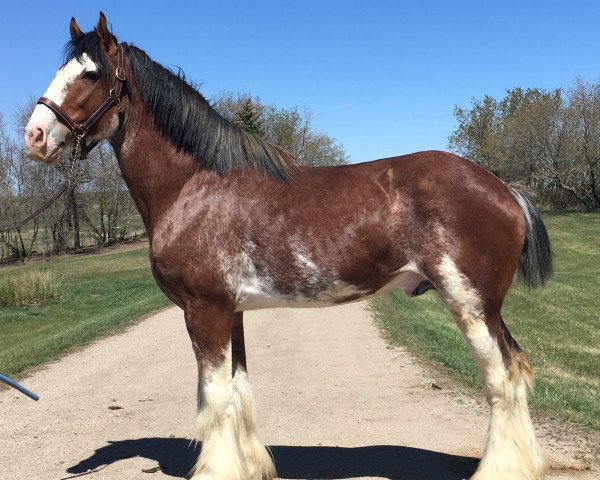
(90, 76)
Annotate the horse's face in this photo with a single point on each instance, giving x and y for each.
(79, 90)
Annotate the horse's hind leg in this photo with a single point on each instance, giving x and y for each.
(226, 412)
(511, 450)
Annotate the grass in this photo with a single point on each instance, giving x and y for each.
(98, 294)
(558, 325)
(29, 288)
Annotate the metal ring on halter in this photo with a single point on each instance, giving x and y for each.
(120, 73)
(117, 99)
(79, 132)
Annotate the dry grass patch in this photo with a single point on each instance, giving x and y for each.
(29, 288)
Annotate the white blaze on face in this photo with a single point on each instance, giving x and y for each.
(44, 120)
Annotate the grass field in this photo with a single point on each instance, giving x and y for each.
(98, 294)
(558, 325)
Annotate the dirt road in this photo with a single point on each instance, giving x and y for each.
(344, 407)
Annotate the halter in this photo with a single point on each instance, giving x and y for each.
(80, 130)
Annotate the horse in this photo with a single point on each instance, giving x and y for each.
(236, 224)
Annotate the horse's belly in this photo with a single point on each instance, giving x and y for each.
(252, 297)
(336, 293)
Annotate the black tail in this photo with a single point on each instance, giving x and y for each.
(535, 265)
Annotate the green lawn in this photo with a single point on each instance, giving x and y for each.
(558, 325)
(99, 294)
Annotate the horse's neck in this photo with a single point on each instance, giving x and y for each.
(154, 171)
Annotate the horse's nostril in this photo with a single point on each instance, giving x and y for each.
(37, 135)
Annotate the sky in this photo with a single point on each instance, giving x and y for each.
(381, 77)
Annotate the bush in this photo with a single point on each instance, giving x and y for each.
(27, 289)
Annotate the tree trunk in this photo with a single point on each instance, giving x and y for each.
(59, 236)
(74, 210)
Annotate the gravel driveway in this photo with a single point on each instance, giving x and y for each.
(334, 401)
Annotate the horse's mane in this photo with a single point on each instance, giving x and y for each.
(184, 117)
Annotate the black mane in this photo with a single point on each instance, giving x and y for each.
(183, 116)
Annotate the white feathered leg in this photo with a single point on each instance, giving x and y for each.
(226, 426)
(511, 450)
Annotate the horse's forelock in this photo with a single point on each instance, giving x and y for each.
(88, 43)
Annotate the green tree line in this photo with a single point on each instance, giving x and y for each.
(548, 140)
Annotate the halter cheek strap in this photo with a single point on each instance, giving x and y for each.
(80, 130)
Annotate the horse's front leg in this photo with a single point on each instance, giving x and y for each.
(226, 419)
(238, 345)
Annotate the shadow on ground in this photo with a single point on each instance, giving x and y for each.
(176, 456)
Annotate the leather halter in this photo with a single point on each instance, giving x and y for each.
(80, 130)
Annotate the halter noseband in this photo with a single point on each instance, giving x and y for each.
(80, 130)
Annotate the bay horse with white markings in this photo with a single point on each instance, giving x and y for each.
(234, 224)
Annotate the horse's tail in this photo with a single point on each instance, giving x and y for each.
(535, 264)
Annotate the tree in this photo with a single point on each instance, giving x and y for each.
(583, 117)
(476, 134)
(16, 198)
(97, 202)
(548, 140)
(248, 117)
(109, 207)
(37, 182)
(288, 128)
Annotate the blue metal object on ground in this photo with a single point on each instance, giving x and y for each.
(19, 387)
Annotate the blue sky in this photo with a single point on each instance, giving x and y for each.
(382, 77)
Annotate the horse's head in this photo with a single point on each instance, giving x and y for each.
(86, 82)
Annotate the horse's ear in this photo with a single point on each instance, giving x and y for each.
(74, 29)
(106, 39)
